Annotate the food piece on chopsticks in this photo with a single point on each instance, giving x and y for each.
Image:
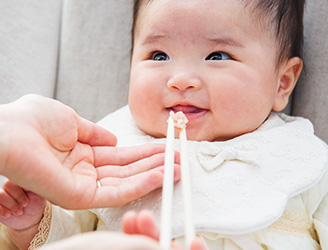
(179, 119)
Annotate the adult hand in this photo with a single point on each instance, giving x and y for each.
(50, 150)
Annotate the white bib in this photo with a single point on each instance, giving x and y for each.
(238, 186)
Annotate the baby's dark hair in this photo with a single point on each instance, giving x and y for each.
(286, 19)
(284, 16)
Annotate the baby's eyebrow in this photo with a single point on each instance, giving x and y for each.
(225, 41)
(153, 38)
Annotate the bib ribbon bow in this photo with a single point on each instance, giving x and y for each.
(211, 155)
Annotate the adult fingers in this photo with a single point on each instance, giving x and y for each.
(133, 168)
(137, 179)
(93, 134)
(119, 191)
(125, 155)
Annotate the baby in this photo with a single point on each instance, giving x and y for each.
(256, 175)
(258, 178)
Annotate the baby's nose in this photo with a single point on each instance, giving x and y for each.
(184, 82)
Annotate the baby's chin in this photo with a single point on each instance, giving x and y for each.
(196, 135)
(191, 135)
(152, 132)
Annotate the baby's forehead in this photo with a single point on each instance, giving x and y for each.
(260, 16)
(243, 14)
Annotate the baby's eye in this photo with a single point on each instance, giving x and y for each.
(159, 56)
(218, 56)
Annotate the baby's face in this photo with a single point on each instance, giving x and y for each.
(205, 58)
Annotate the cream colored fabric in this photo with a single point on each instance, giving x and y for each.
(65, 223)
(5, 242)
(57, 225)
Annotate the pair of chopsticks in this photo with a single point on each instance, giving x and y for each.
(168, 183)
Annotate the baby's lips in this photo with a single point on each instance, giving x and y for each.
(186, 109)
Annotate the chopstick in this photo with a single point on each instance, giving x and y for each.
(189, 227)
(167, 191)
(176, 120)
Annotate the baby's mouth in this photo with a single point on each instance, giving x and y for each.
(190, 111)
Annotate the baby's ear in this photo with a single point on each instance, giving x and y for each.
(288, 76)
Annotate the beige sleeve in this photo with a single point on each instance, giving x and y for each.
(101, 225)
(38, 240)
(5, 242)
(320, 220)
(59, 223)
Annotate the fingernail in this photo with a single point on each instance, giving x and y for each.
(19, 212)
(6, 214)
(24, 203)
